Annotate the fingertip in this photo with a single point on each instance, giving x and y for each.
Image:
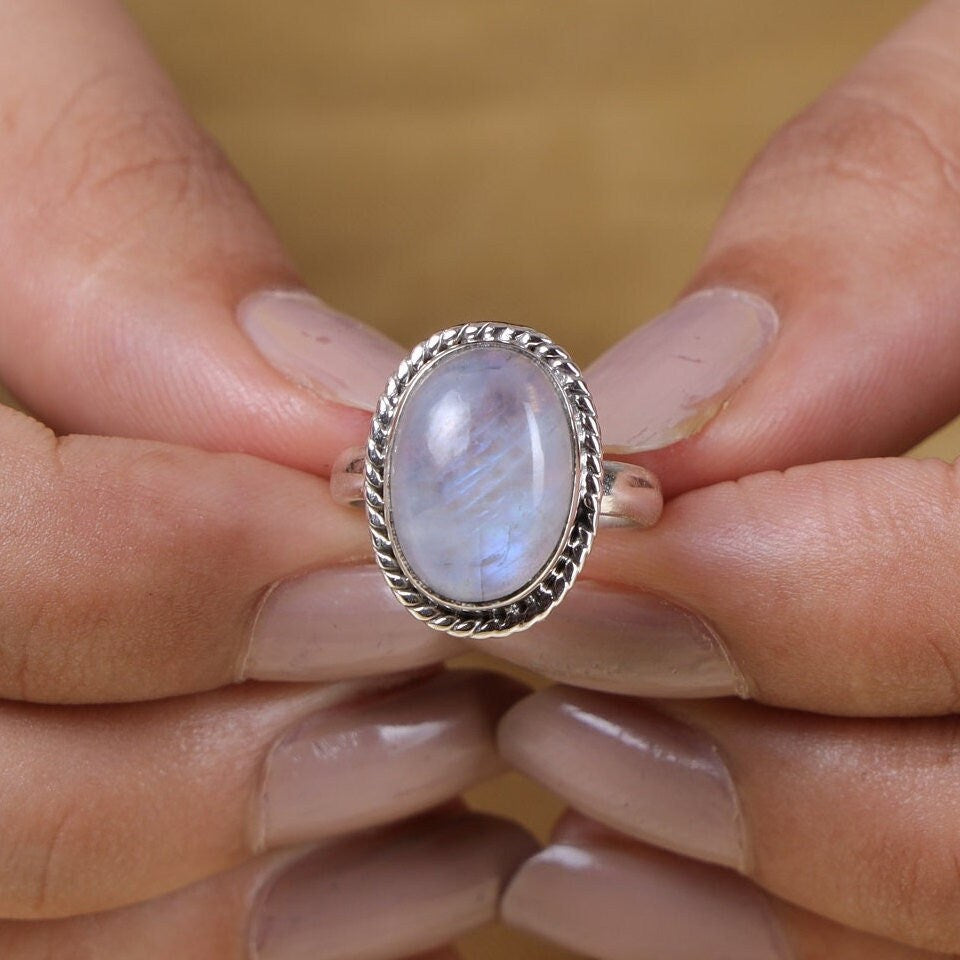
(413, 887)
(340, 359)
(604, 898)
(669, 378)
(335, 623)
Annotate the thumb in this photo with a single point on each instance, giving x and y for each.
(145, 294)
(847, 228)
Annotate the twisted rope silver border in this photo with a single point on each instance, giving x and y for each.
(547, 591)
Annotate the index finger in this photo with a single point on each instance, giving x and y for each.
(133, 569)
(167, 309)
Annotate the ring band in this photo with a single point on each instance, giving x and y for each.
(483, 479)
(631, 494)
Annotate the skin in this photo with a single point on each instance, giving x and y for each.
(831, 583)
(103, 173)
(168, 477)
(151, 242)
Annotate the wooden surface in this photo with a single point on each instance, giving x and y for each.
(549, 162)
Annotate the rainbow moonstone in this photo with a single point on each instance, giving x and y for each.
(481, 474)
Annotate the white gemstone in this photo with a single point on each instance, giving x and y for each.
(481, 478)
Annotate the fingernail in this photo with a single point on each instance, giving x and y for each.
(392, 893)
(665, 381)
(630, 767)
(638, 644)
(391, 756)
(339, 358)
(339, 622)
(623, 901)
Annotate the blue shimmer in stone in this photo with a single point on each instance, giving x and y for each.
(481, 474)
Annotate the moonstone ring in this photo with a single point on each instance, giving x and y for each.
(484, 480)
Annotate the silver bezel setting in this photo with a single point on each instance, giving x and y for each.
(535, 600)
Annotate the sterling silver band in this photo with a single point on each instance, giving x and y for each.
(631, 495)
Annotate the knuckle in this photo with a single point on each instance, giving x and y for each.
(864, 136)
(128, 152)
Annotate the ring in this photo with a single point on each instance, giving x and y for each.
(484, 481)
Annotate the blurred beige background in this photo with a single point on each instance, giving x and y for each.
(549, 162)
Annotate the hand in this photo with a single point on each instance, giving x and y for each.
(818, 820)
(149, 801)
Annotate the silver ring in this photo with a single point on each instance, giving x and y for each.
(484, 482)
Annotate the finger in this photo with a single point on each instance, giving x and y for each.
(847, 224)
(851, 819)
(822, 589)
(594, 891)
(157, 314)
(379, 896)
(827, 585)
(133, 569)
(197, 784)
